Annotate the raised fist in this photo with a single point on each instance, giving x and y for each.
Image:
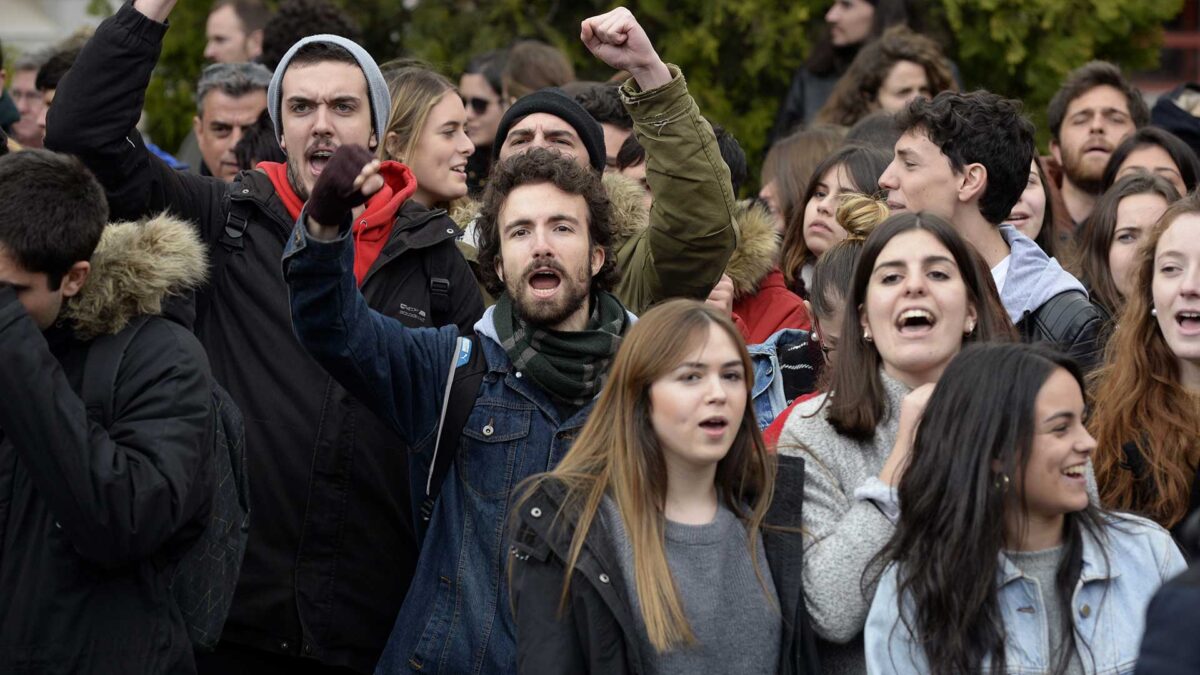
(617, 39)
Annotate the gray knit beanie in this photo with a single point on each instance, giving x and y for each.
(377, 89)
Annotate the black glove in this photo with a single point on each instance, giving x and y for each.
(334, 195)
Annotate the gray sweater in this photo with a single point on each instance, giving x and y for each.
(1042, 567)
(846, 530)
(736, 621)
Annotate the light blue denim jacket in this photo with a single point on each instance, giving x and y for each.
(767, 393)
(1108, 606)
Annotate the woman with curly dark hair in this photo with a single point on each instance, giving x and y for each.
(887, 74)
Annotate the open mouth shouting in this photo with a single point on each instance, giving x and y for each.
(1188, 321)
(544, 281)
(318, 156)
(915, 322)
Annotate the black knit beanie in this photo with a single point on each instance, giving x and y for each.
(553, 101)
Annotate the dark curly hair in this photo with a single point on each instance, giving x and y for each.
(602, 100)
(1086, 78)
(979, 128)
(857, 91)
(538, 166)
(297, 19)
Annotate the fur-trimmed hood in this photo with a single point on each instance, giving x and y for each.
(135, 268)
(629, 214)
(757, 251)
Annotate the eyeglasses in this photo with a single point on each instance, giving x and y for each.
(477, 104)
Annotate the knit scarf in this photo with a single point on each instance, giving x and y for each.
(374, 227)
(569, 365)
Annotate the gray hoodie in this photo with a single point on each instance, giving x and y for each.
(1033, 277)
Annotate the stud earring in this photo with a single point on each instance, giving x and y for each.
(867, 335)
(970, 328)
(1000, 483)
(1153, 311)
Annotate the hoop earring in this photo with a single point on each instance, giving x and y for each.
(867, 336)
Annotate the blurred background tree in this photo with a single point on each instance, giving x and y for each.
(738, 55)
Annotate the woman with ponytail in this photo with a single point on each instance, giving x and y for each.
(658, 542)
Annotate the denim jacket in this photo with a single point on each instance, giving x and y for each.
(768, 391)
(1108, 606)
(456, 617)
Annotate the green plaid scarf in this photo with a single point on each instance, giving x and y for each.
(570, 366)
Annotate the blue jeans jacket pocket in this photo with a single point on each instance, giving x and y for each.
(494, 439)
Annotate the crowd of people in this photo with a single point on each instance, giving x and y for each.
(387, 372)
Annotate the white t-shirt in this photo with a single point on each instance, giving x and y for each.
(1000, 273)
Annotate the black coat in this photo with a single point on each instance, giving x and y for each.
(333, 546)
(1169, 645)
(597, 633)
(93, 520)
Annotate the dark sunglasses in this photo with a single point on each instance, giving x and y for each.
(479, 105)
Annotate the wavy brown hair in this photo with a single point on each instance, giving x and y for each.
(619, 454)
(1139, 399)
(856, 94)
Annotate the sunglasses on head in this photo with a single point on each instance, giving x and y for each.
(479, 105)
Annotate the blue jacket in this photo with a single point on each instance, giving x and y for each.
(1109, 606)
(456, 617)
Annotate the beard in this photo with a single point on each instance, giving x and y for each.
(293, 174)
(573, 293)
(1085, 176)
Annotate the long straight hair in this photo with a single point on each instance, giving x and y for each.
(1096, 234)
(1138, 398)
(858, 404)
(864, 165)
(951, 532)
(618, 453)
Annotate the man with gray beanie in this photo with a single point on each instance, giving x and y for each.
(332, 544)
(681, 246)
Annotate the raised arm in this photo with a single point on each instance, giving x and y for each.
(398, 372)
(692, 232)
(95, 114)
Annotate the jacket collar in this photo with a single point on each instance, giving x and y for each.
(1094, 567)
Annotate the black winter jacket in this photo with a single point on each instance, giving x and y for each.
(93, 519)
(596, 633)
(1072, 323)
(333, 546)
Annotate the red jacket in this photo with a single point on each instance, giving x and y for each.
(772, 308)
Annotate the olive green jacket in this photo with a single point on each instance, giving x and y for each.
(682, 246)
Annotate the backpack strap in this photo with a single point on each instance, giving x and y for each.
(100, 368)
(439, 293)
(458, 399)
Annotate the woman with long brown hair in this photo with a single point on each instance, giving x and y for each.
(811, 228)
(647, 548)
(918, 294)
(1146, 412)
